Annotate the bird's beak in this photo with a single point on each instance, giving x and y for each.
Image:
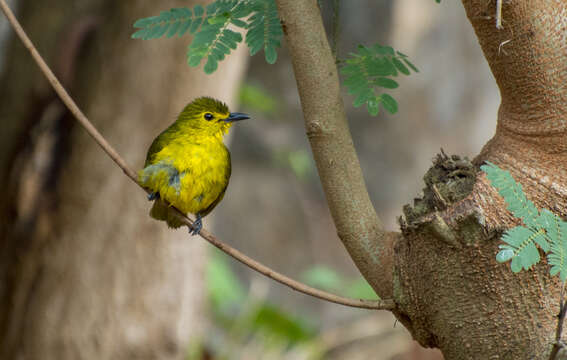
(236, 117)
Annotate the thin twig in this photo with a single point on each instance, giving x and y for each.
(68, 101)
(499, 14)
(560, 319)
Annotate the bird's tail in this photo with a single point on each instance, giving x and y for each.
(161, 211)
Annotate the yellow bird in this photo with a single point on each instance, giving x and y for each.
(188, 164)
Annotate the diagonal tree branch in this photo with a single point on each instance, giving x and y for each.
(83, 120)
(358, 226)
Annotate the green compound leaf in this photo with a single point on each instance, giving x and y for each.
(370, 69)
(214, 29)
(513, 194)
(171, 22)
(557, 256)
(541, 229)
(264, 30)
(521, 247)
(215, 40)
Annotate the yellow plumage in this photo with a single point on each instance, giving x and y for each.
(188, 164)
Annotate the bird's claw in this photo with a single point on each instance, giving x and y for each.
(197, 226)
(153, 196)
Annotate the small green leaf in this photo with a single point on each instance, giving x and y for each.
(400, 66)
(210, 66)
(142, 23)
(158, 31)
(379, 67)
(239, 23)
(389, 103)
(198, 10)
(386, 83)
(363, 97)
(219, 19)
(194, 60)
(373, 106)
(504, 255)
(270, 54)
(173, 29)
(140, 34)
(408, 63)
(516, 265)
(184, 27)
(196, 24)
(383, 50)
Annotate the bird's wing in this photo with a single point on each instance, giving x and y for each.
(161, 175)
(156, 147)
(160, 142)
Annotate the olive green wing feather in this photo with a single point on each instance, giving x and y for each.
(160, 142)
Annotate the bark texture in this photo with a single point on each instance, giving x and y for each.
(85, 272)
(449, 290)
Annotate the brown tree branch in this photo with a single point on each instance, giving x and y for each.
(92, 131)
(358, 226)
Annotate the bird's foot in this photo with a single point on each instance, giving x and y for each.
(197, 226)
(153, 196)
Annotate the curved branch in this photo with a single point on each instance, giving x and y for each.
(83, 120)
(358, 226)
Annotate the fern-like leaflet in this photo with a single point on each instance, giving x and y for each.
(169, 23)
(370, 68)
(541, 229)
(264, 30)
(214, 29)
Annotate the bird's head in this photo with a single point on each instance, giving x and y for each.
(209, 116)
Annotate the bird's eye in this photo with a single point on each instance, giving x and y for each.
(209, 116)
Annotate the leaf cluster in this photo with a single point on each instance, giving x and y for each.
(541, 230)
(214, 29)
(370, 69)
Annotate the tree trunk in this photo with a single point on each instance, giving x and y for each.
(441, 269)
(452, 292)
(85, 273)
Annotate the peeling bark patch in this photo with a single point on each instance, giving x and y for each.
(449, 180)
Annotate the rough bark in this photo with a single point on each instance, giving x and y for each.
(85, 272)
(449, 290)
